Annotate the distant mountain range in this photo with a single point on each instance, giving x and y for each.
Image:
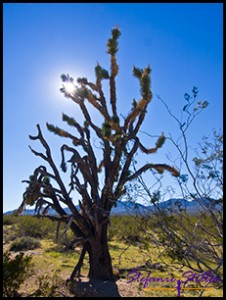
(122, 208)
(129, 207)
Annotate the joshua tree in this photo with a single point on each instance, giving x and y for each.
(119, 143)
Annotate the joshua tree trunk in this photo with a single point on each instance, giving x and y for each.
(99, 258)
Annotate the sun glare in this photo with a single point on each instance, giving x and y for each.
(69, 87)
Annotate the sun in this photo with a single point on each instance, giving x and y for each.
(69, 87)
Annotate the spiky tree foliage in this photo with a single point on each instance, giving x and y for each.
(119, 142)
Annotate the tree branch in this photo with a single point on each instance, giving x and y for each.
(158, 167)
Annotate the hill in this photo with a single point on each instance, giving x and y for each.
(129, 207)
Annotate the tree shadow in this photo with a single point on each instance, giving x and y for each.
(94, 288)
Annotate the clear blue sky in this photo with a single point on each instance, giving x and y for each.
(183, 43)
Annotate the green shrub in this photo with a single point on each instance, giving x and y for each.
(15, 271)
(40, 228)
(24, 243)
(124, 228)
(9, 219)
(8, 235)
(133, 239)
(48, 286)
(36, 227)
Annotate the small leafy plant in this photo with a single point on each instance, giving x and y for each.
(48, 286)
(25, 243)
(15, 271)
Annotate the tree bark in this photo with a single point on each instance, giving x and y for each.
(100, 265)
(99, 256)
(100, 261)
